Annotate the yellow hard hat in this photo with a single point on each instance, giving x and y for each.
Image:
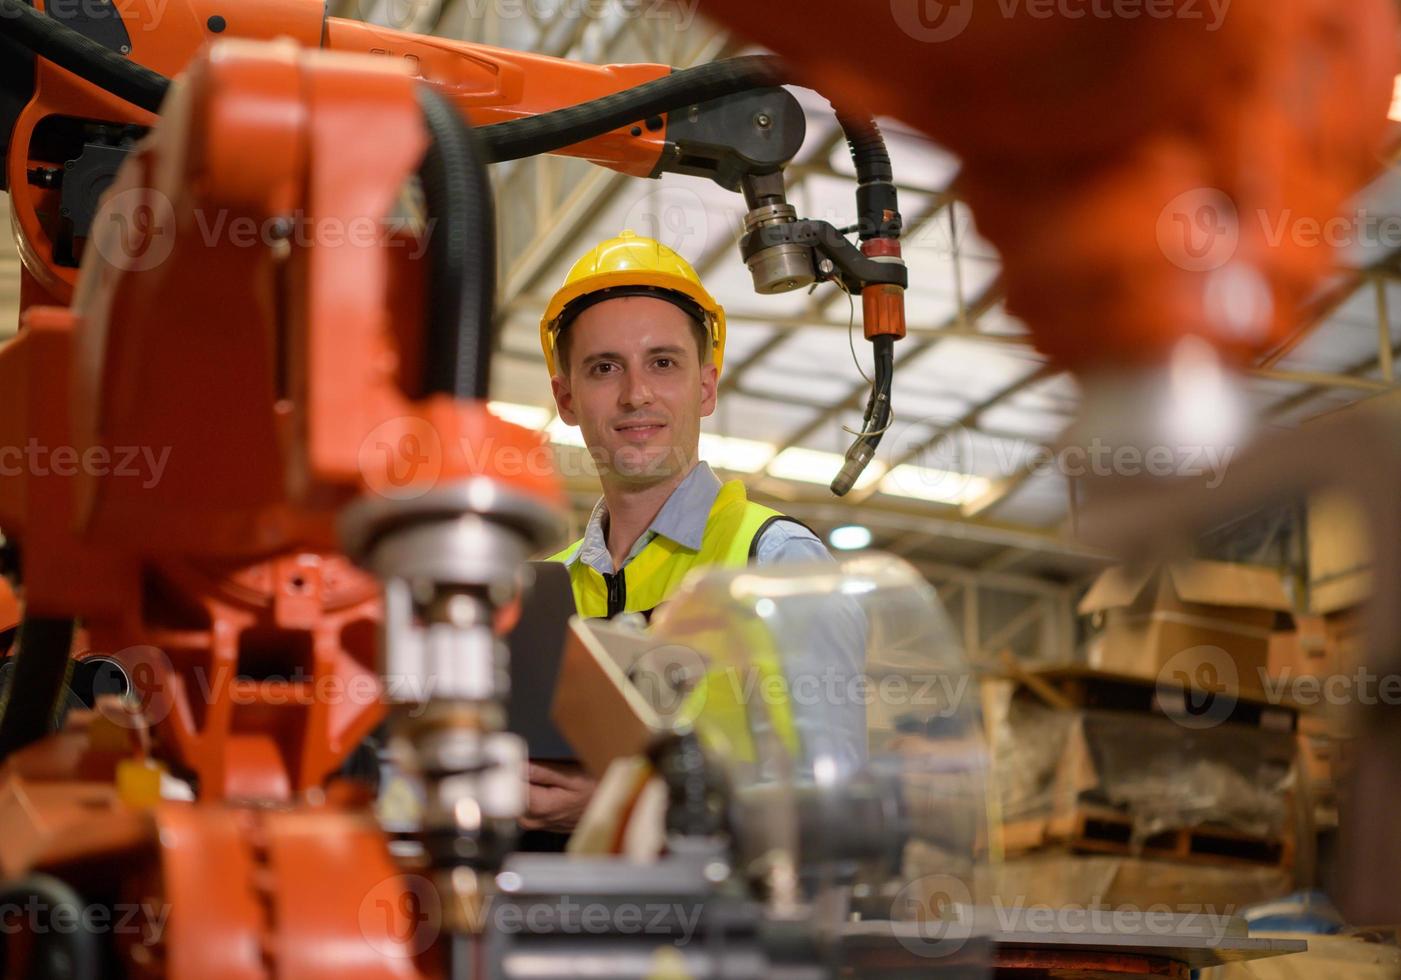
(625, 266)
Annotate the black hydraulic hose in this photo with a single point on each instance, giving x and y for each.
(37, 683)
(462, 254)
(543, 133)
(877, 418)
(70, 952)
(82, 56)
(875, 187)
(550, 131)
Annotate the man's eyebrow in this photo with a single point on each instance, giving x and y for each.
(609, 355)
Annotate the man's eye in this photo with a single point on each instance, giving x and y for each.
(665, 362)
(601, 367)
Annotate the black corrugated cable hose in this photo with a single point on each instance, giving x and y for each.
(56, 951)
(550, 131)
(875, 180)
(35, 687)
(461, 254)
(82, 56)
(543, 133)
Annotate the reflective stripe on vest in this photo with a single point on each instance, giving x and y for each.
(656, 571)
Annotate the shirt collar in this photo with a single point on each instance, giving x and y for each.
(682, 519)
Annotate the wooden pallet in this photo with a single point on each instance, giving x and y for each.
(1098, 830)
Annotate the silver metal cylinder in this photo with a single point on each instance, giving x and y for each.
(779, 268)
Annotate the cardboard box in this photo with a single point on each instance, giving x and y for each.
(1340, 553)
(1302, 651)
(1345, 638)
(1188, 617)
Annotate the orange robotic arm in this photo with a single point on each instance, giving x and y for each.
(65, 136)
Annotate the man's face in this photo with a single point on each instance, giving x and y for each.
(636, 388)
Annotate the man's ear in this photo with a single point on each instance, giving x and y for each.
(564, 399)
(709, 378)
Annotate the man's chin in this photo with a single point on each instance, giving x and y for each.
(646, 464)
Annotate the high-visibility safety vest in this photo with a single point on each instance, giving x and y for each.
(718, 706)
(732, 534)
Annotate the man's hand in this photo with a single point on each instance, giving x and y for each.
(558, 793)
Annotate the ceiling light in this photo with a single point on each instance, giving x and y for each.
(526, 416)
(935, 486)
(735, 455)
(850, 537)
(814, 466)
(561, 433)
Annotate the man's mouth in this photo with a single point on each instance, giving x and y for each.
(639, 430)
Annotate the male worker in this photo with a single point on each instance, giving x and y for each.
(635, 344)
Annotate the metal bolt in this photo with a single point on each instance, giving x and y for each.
(763, 120)
(126, 49)
(826, 266)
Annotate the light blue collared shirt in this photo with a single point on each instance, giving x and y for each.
(683, 518)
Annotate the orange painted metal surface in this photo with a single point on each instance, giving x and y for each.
(489, 84)
(1134, 171)
(267, 385)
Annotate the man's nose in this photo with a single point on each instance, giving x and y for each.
(636, 391)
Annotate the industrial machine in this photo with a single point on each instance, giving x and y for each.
(331, 537)
(324, 519)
